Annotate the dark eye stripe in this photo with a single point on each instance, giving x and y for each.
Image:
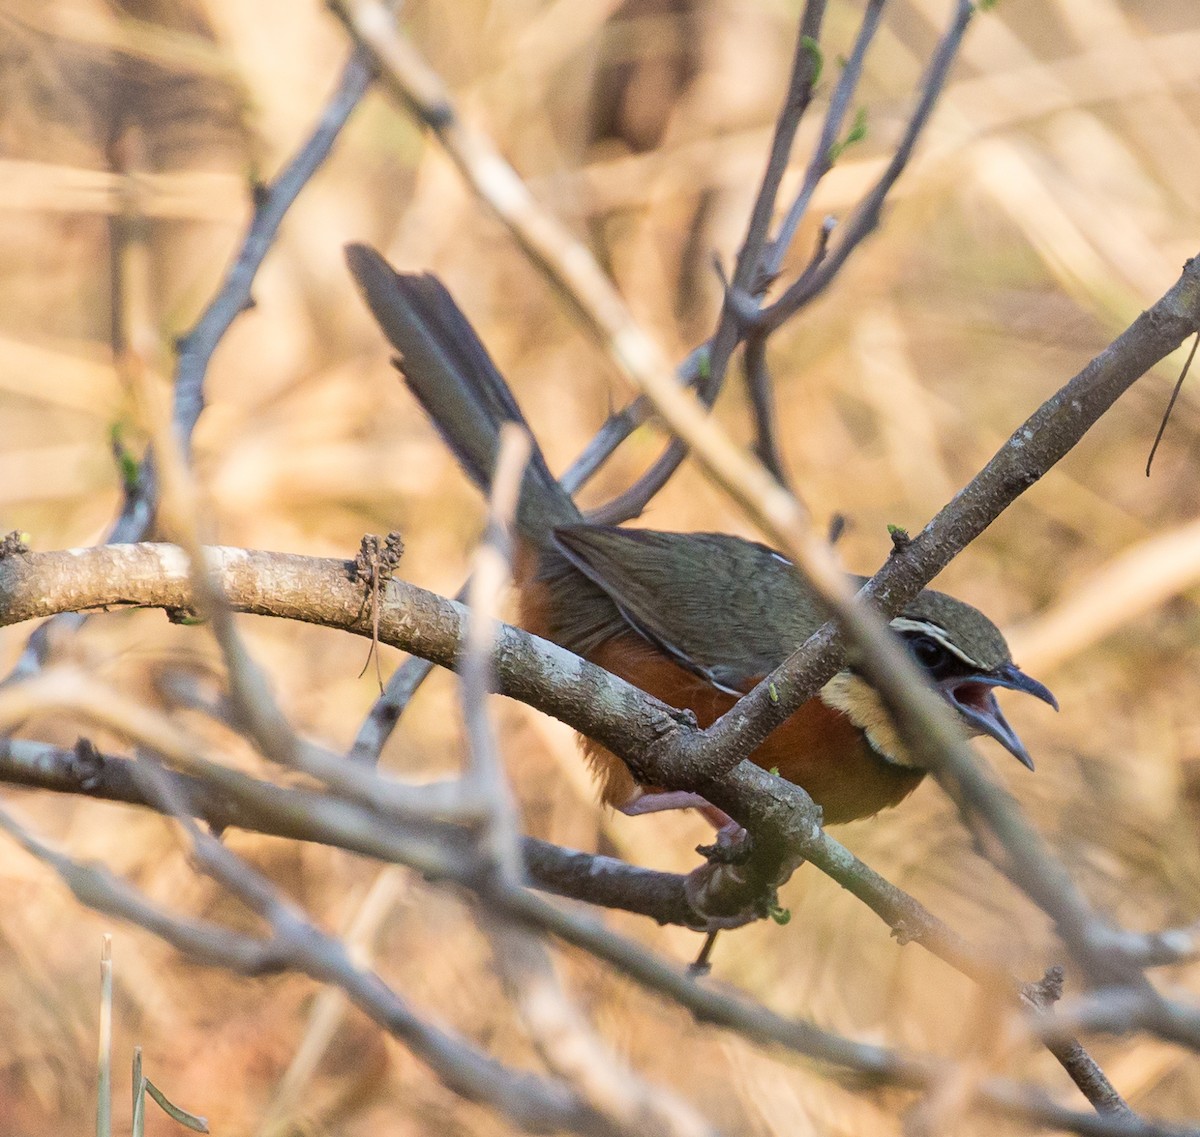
(908, 628)
(927, 650)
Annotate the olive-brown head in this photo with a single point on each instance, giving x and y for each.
(965, 657)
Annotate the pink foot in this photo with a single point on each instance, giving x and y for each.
(658, 803)
(729, 833)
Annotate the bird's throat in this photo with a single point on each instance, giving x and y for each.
(861, 704)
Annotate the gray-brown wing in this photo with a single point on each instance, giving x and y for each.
(729, 609)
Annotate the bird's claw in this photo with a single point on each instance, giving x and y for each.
(708, 890)
(733, 846)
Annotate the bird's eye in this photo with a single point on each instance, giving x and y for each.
(927, 651)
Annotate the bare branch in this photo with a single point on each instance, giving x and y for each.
(806, 62)
(1121, 1010)
(386, 711)
(271, 205)
(538, 1104)
(866, 216)
(302, 947)
(96, 888)
(485, 775)
(748, 273)
(822, 158)
(195, 350)
(242, 801)
(592, 879)
(558, 1029)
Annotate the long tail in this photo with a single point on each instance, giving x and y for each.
(453, 377)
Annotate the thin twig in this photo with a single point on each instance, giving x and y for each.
(195, 350)
(428, 803)
(104, 1042)
(1162, 426)
(762, 400)
(485, 775)
(566, 1042)
(272, 202)
(386, 711)
(97, 888)
(866, 216)
(758, 380)
(823, 153)
(180, 515)
(746, 274)
(1120, 1010)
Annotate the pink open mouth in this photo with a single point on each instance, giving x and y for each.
(975, 700)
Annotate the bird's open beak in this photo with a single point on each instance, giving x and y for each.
(975, 700)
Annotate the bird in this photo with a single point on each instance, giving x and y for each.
(694, 619)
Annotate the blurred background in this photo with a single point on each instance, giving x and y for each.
(1054, 196)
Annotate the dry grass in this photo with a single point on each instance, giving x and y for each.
(1054, 197)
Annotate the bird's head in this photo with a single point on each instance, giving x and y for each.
(966, 659)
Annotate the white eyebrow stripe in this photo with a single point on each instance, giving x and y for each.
(923, 627)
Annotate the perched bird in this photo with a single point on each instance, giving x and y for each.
(695, 619)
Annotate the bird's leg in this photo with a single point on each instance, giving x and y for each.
(732, 841)
(672, 799)
(711, 889)
(702, 964)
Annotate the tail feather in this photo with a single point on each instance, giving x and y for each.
(451, 374)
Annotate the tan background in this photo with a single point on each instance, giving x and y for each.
(1053, 198)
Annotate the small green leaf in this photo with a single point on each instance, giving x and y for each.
(815, 55)
(129, 471)
(774, 771)
(126, 462)
(772, 694)
(900, 538)
(857, 132)
(780, 915)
